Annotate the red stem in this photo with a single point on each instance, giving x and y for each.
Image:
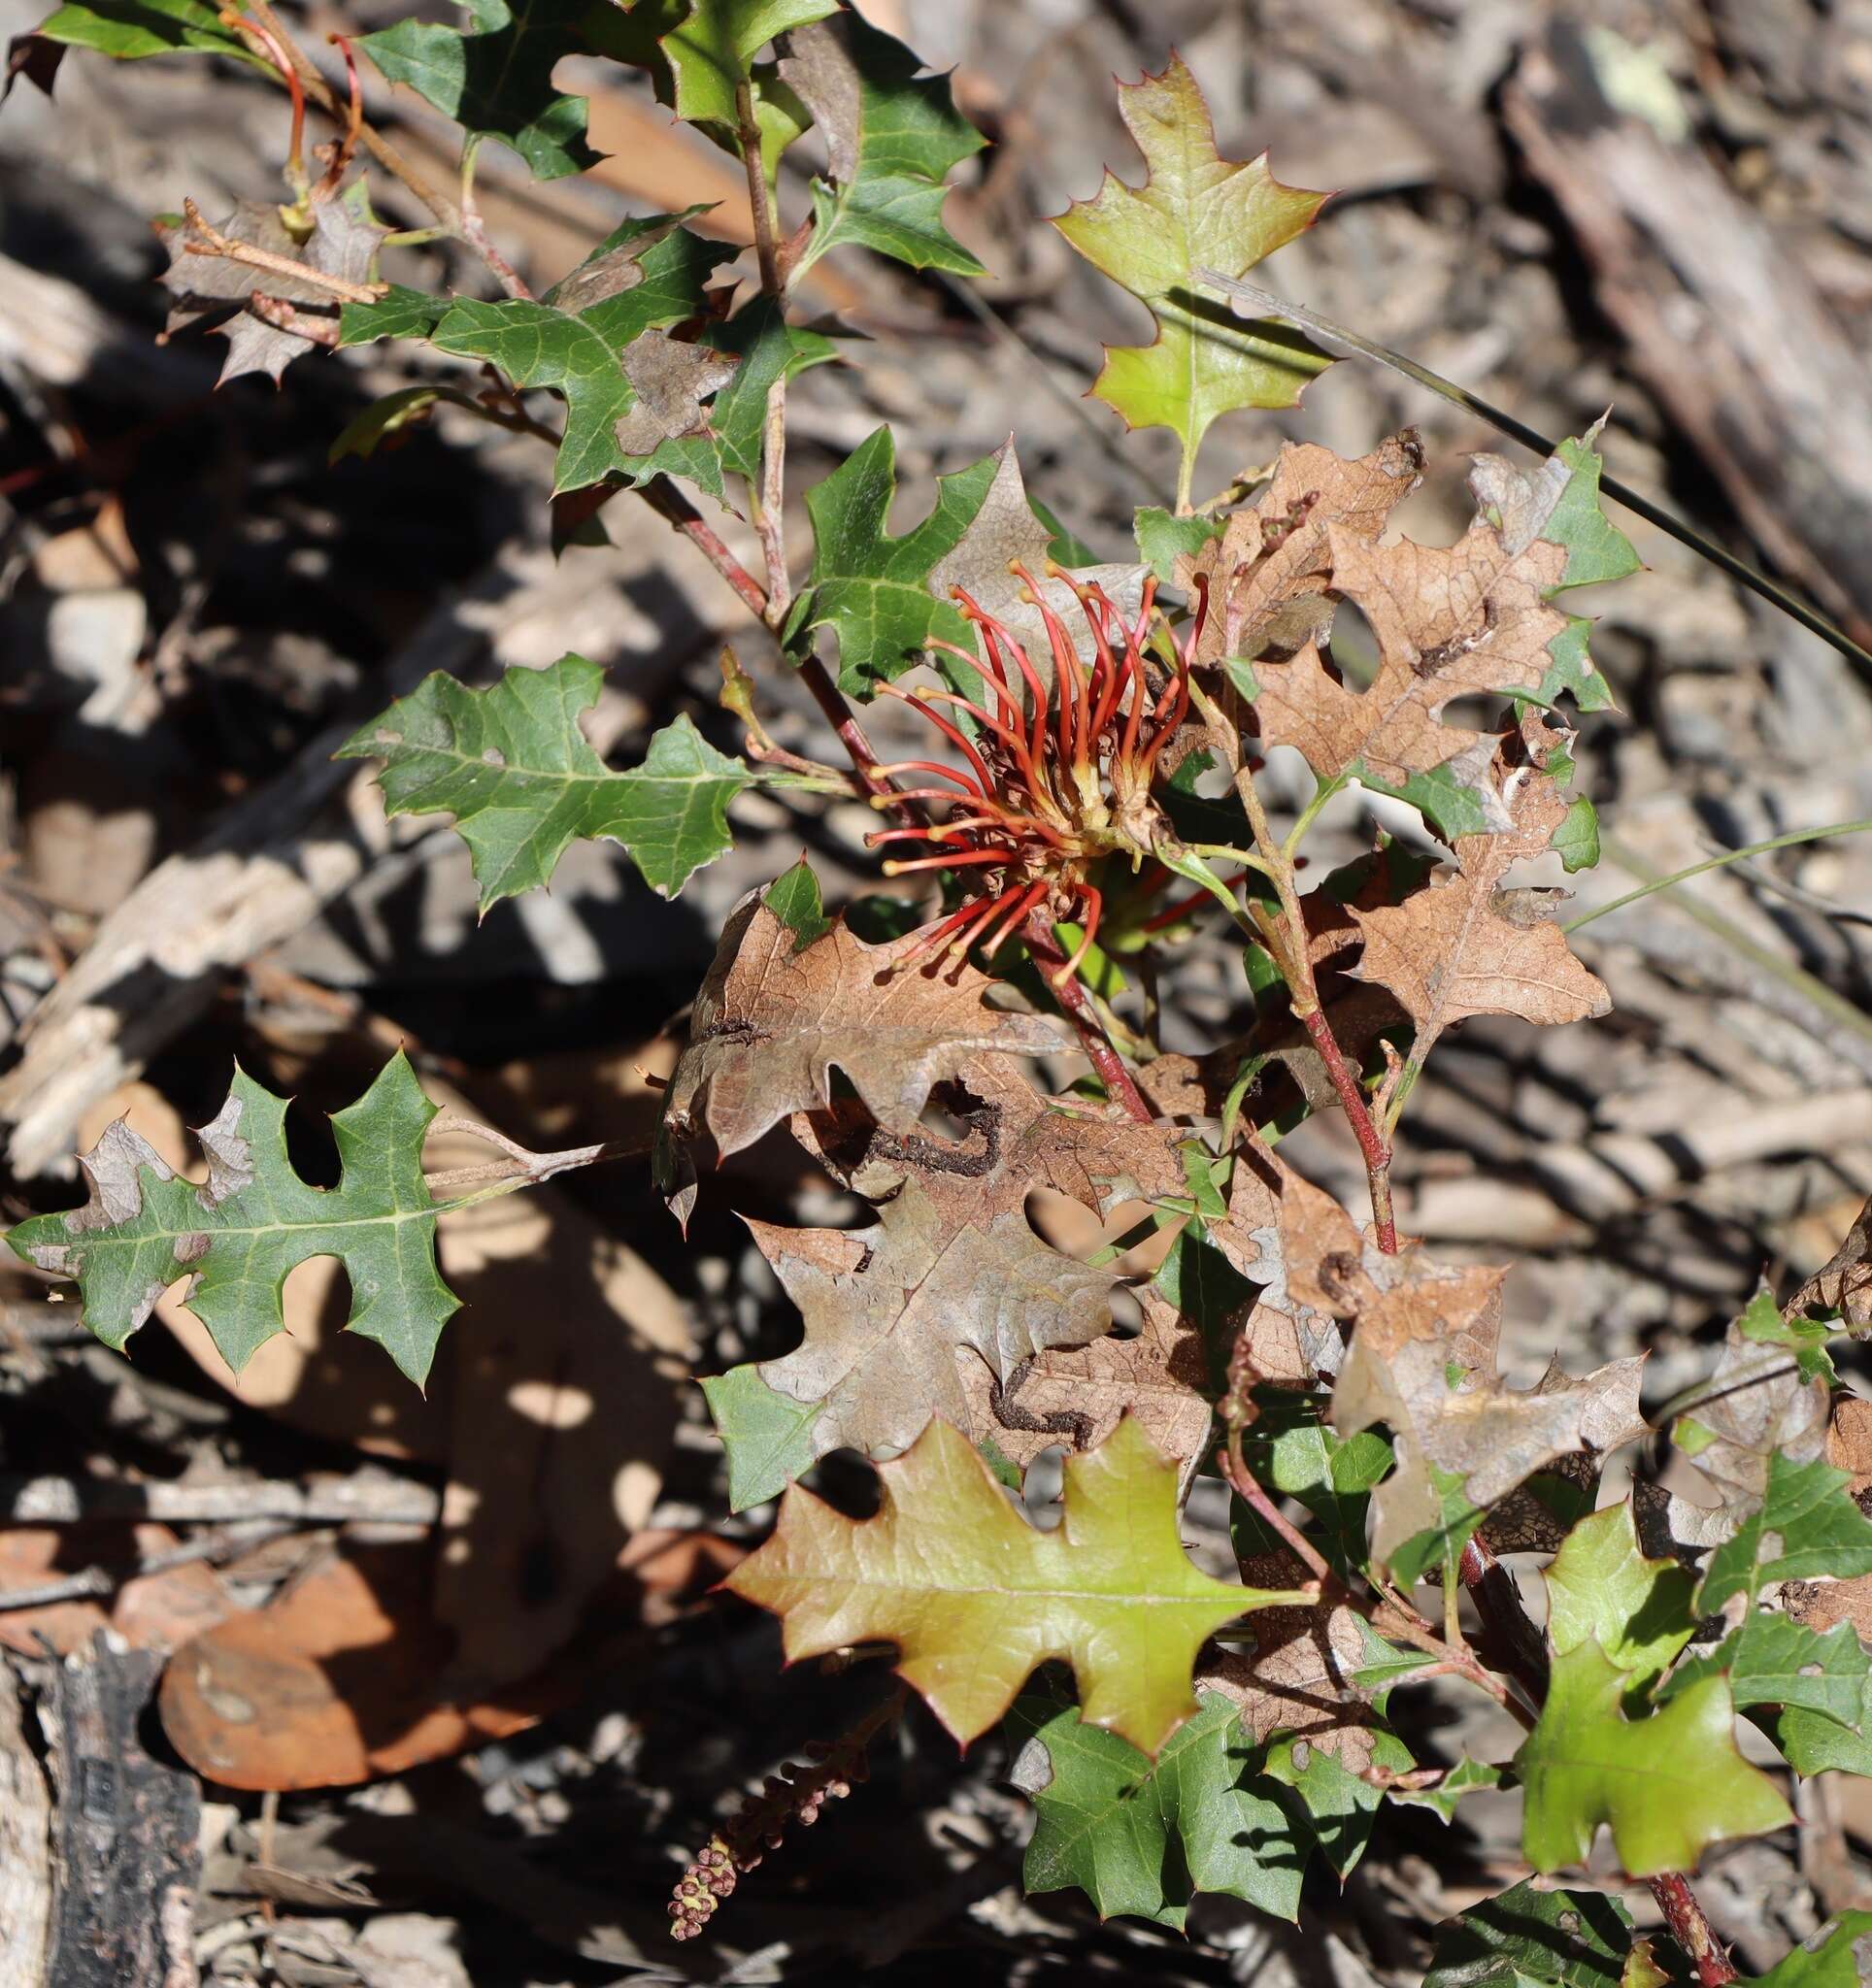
(1690, 1930)
(1371, 1142)
(1119, 1082)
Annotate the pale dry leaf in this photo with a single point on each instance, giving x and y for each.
(1423, 1362)
(1299, 1679)
(1755, 1405)
(671, 380)
(1465, 946)
(1844, 1283)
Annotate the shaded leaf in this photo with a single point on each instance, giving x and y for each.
(1668, 1785)
(871, 588)
(381, 421)
(1843, 1285)
(976, 1598)
(1533, 1937)
(1195, 211)
(238, 1237)
(1838, 1956)
(891, 140)
(497, 81)
(1142, 1837)
(1339, 1807)
(1466, 1777)
(513, 766)
(1600, 1588)
(711, 52)
(131, 29)
(765, 345)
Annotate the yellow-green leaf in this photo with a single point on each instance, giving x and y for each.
(976, 1598)
(1669, 1785)
(1196, 210)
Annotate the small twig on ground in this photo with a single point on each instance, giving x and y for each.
(372, 1495)
(95, 1582)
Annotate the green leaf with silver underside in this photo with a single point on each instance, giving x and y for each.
(496, 81)
(1533, 1937)
(256, 1220)
(873, 589)
(1141, 1837)
(768, 1435)
(892, 138)
(1808, 1529)
(514, 767)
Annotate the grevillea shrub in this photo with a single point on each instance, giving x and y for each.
(1086, 802)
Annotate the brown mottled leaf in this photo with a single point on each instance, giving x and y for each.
(1298, 1677)
(1844, 1283)
(671, 380)
(1423, 1362)
(1755, 1404)
(774, 1019)
(1468, 947)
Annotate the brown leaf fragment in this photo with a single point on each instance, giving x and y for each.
(671, 380)
(1423, 1361)
(1269, 573)
(773, 1021)
(1755, 1404)
(1465, 946)
(1844, 1283)
(1297, 1679)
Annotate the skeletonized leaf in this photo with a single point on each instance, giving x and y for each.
(976, 1598)
(496, 81)
(236, 1237)
(1142, 1837)
(1195, 211)
(873, 589)
(1423, 1362)
(514, 768)
(891, 140)
(1668, 1785)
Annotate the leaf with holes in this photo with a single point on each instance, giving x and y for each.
(497, 81)
(891, 140)
(976, 1599)
(1141, 1837)
(514, 768)
(871, 589)
(236, 1237)
(1194, 210)
(1668, 1785)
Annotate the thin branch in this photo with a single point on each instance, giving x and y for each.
(1690, 1929)
(214, 243)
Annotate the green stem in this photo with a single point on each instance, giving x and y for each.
(1323, 792)
(1655, 883)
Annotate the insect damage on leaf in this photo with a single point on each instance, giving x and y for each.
(236, 1237)
(976, 1599)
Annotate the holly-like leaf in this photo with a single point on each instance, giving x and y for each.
(514, 768)
(1141, 1837)
(1340, 1808)
(976, 1598)
(711, 54)
(1838, 1956)
(625, 396)
(1466, 946)
(130, 29)
(496, 81)
(1807, 1528)
(1600, 1588)
(1668, 1785)
(1289, 1450)
(891, 140)
(1423, 1363)
(1530, 1937)
(343, 243)
(1163, 539)
(765, 345)
(873, 589)
(400, 313)
(768, 1435)
(1805, 1338)
(1195, 211)
(774, 1019)
(1773, 1661)
(236, 1237)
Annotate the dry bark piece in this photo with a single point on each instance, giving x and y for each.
(1465, 946)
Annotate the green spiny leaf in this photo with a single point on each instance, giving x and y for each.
(768, 1435)
(1163, 537)
(1464, 1778)
(1339, 1807)
(1805, 1338)
(768, 346)
(1529, 1937)
(891, 138)
(1141, 1837)
(1808, 1529)
(1195, 211)
(256, 1220)
(1600, 1588)
(794, 900)
(1597, 553)
(1668, 1785)
(1291, 1450)
(1576, 841)
(711, 53)
(1838, 1956)
(402, 313)
(513, 766)
(497, 80)
(871, 588)
(1773, 1661)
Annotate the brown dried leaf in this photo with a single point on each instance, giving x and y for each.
(1297, 1679)
(1423, 1361)
(671, 380)
(773, 1021)
(1844, 1283)
(1755, 1404)
(1467, 947)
